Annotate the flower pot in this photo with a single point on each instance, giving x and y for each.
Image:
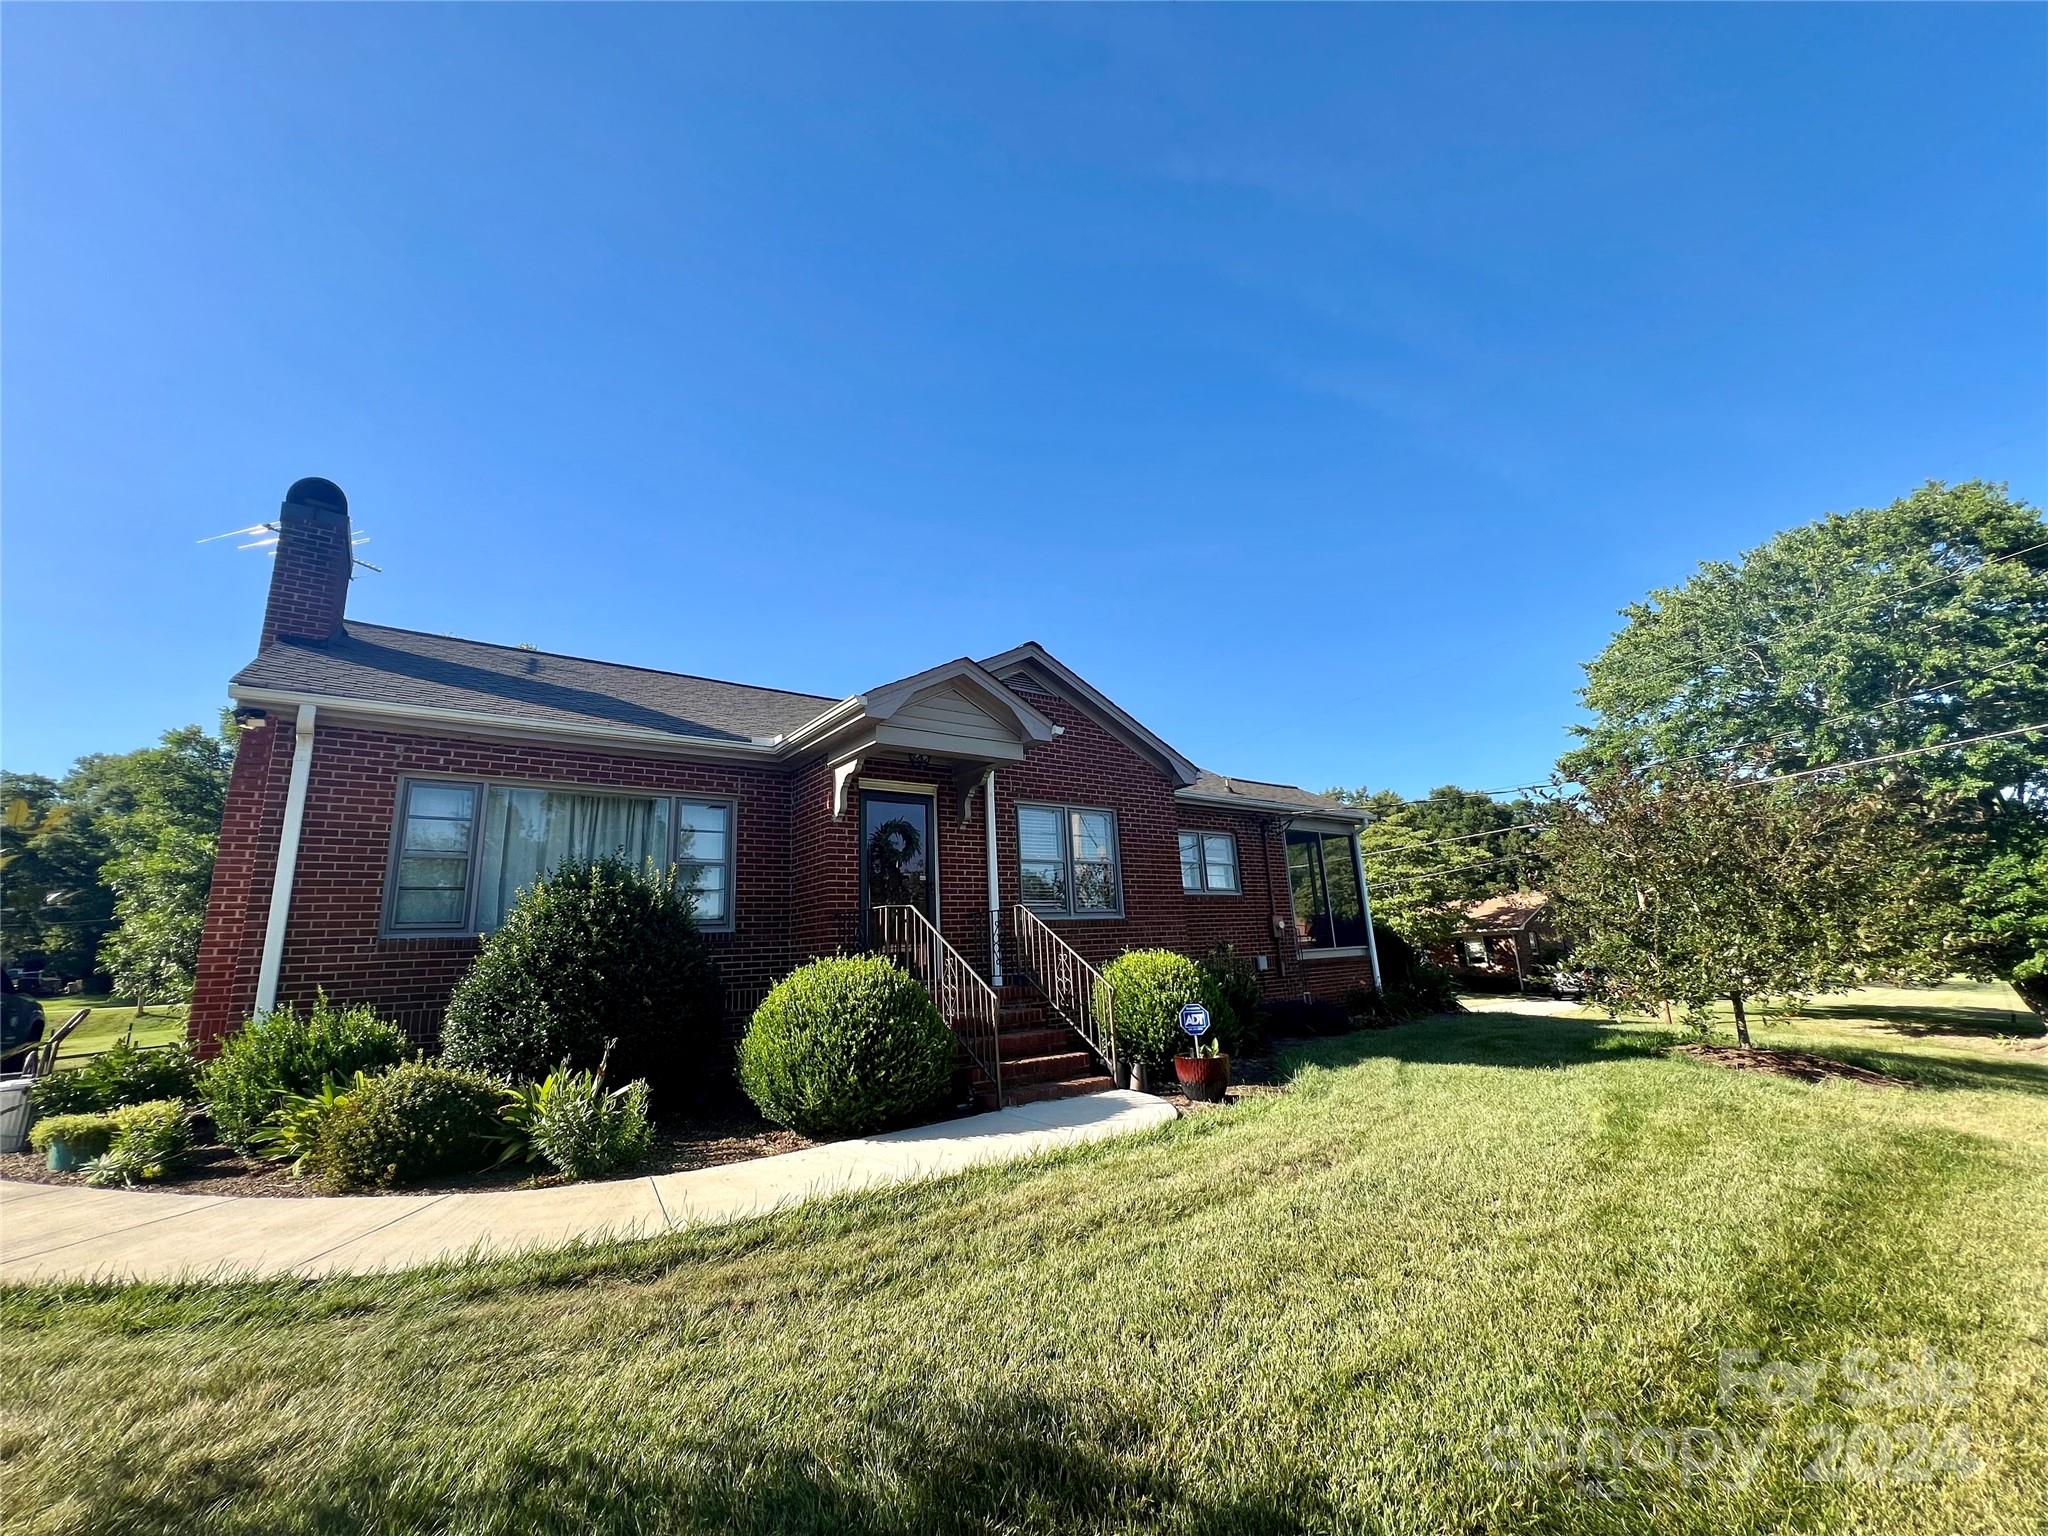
(60, 1158)
(1203, 1078)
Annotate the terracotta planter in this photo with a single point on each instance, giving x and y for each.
(1203, 1078)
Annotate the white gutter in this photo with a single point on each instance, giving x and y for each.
(1372, 943)
(995, 900)
(503, 725)
(287, 861)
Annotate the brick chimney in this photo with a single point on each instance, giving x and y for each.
(309, 579)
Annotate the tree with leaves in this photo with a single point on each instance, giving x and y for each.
(57, 909)
(1858, 636)
(162, 862)
(1426, 859)
(1688, 885)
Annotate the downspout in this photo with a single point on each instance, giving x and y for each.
(995, 899)
(287, 862)
(1372, 943)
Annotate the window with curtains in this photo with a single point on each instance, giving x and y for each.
(1208, 863)
(1329, 910)
(1067, 863)
(465, 851)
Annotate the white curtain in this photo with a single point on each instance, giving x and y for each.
(527, 832)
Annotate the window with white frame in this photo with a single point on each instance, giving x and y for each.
(1208, 863)
(1067, 861)
(464, 851)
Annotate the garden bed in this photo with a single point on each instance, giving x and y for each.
(726, 1133)
(1781, 1063)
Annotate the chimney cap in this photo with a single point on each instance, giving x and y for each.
(315, 492)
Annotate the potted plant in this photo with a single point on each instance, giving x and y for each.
(1205, 1073)
(68, 1142)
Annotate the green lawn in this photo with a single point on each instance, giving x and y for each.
(1333, 1310)
(111, 1021)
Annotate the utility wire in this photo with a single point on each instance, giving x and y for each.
(1793, 629)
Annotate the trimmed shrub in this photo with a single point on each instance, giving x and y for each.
(845, 1045)
(281, 1055)
(123, 1074)
(1412, 984)
(413, 1122)
(1237, 984)
(1152, 986)
(585, 1132)
(293, 1130)
(593, 953)
(150, 1140)
(87, 1135)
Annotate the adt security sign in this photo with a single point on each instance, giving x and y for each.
(1194, 1019)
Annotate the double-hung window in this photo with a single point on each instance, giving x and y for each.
(1329, 909)
(1067, 861)
(466, 850)
(1208, 863)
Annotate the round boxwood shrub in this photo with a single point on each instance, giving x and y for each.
(411, 1123)
(845, 1045)
(1152, 986)
(282, 1054)
(593, 952)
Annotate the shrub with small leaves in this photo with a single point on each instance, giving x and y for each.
(150, 1140)
(294, 1128)
(411, 1123)
(284, 1053)
(124, 1073)
(84, 1136)
(594, 953)
(1237, 986)
(1152, 986)
(845, 1045)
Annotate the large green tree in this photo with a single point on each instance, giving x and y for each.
(1864, 634)
(107, 869)
(1685, 885)
(1425, 859)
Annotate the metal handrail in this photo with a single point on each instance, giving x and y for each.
(967, 1003)
(1078, 992)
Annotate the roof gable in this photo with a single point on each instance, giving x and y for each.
(1031, 657)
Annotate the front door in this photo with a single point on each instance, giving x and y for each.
(898, 862)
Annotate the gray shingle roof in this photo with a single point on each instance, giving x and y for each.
(1258, 793)
(404, 666)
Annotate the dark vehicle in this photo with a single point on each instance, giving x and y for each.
(21, 1018)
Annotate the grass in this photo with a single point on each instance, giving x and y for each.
(110, 1021)
(1321, 1311)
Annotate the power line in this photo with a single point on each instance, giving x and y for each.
(1793, 629)
(1688, 757)
(1465, 837)
(1806, 773)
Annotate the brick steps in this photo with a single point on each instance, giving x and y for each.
(1070, 1088)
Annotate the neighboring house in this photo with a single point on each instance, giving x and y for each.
(1506, 936)
(395, 789)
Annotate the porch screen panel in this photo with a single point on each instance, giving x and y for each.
(528, 832)
(1329, 910)
(1041, 862)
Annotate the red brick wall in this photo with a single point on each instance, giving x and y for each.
(310, 573)
(797, 880)
(332, 939)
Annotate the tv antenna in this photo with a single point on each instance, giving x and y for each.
(266, 536)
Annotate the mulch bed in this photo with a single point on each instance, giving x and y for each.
(1251, 1077)
(710, 1136)
(1807, 1068)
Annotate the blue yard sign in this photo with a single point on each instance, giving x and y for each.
(1194, 1019)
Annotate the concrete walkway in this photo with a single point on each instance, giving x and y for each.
(65, 1232)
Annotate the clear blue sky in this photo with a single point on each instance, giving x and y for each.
(1318, 382)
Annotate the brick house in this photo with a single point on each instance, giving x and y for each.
(998, 824)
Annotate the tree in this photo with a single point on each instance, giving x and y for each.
(163, 839)
(1425, 859)
(1689, 885)
(57, 910)
(1863, 634)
